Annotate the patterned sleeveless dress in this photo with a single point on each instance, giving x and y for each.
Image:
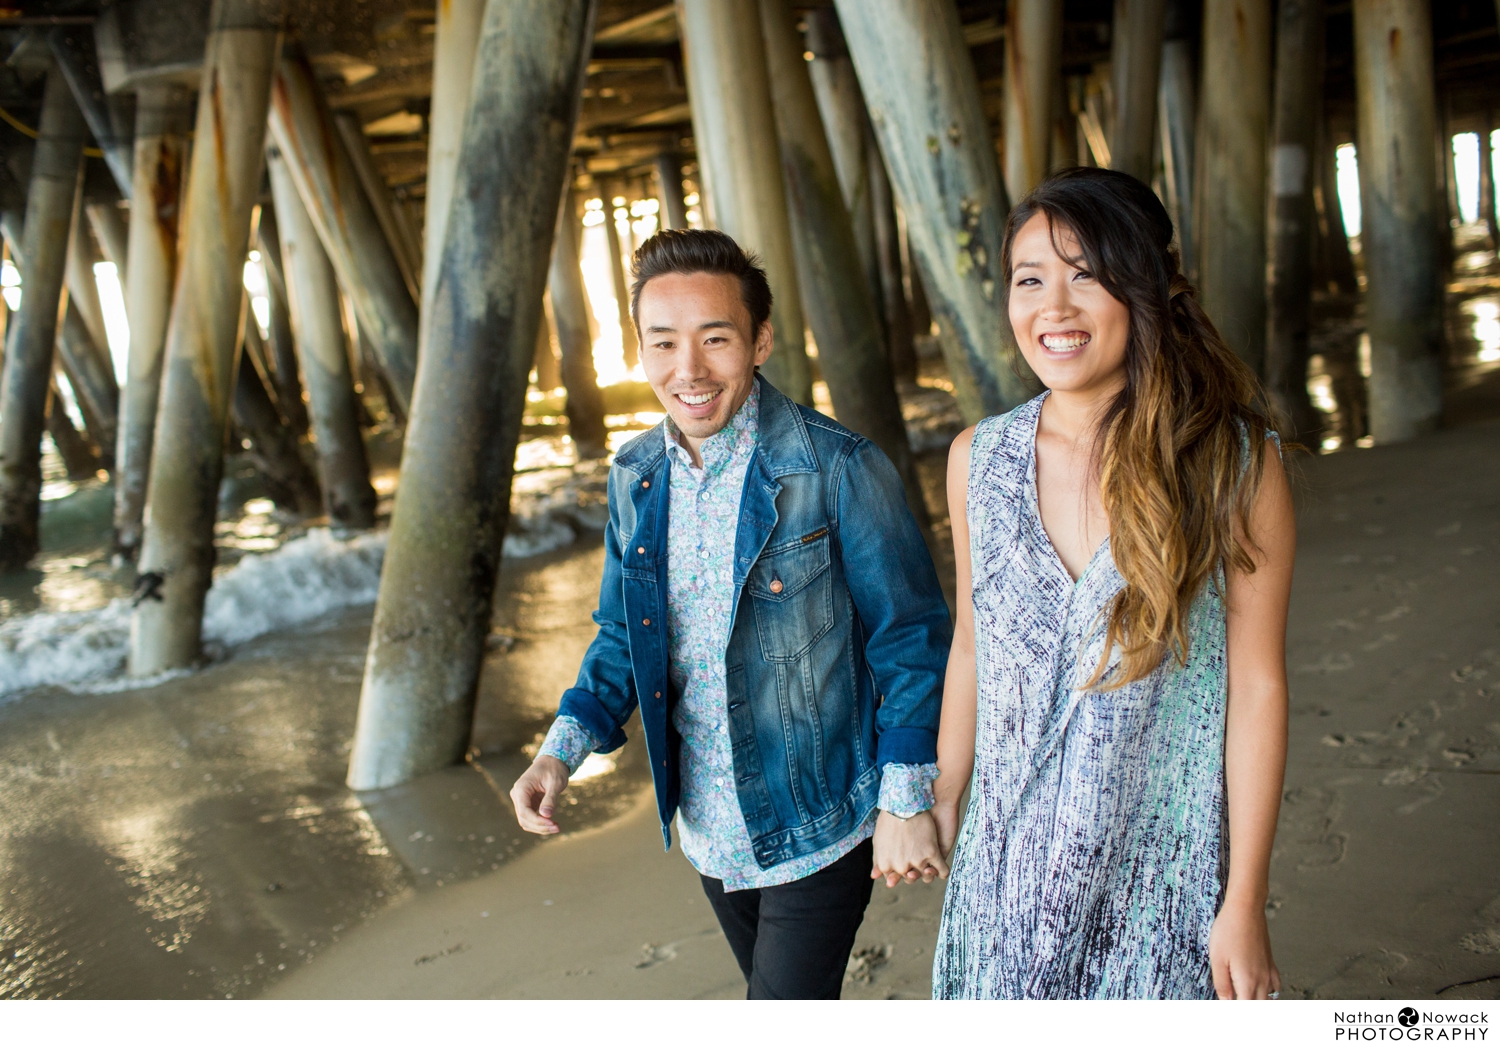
(1093, 854)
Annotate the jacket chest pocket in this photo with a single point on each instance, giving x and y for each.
(791, 590)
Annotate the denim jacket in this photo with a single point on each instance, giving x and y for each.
(840, 630)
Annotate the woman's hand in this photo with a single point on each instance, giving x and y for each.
(945, 816)
(907, 849)
(1239, 951)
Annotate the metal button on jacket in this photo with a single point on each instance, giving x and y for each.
(776, 586)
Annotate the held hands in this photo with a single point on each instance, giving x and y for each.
(1239, 951)
(907, 849)
(535, 795)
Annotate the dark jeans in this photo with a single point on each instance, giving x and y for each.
(793, 941)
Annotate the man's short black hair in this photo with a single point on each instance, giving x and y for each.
(701, 251)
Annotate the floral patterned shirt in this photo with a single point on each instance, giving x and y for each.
(703, 518)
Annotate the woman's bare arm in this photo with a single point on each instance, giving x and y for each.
(1255, 739)
(956, 728)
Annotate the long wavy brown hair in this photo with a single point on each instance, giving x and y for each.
(1180, 450)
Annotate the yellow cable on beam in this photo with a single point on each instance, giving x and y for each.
(31, 133)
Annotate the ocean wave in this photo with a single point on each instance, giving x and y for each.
(308, 577)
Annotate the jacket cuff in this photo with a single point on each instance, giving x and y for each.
(908, 745)
(906, 790)
(584, 708)
(568, 742)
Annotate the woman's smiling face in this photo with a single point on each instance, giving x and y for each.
(1071, 331)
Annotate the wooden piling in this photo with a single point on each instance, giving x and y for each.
(273, 445)
(455, 37)
(1230, 171)
(51, 209)
(112, 230)
(76, 55)
(1398, 199)
(314, 314)
(668, 168)
(1033, 62)
(93, 381)
(919, 82)
(618, 267)
(852, 354)
(1294, 139)
(161, 144)
(846, 124)
(1135, 66)
(407, 252)
(898, 324)
(203, 335)
(734, 128)
(1177, 100)
(346, 220)
(433, 615)
(281, 348)
(575, 344)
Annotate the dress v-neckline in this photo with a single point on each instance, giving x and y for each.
(1035, 502)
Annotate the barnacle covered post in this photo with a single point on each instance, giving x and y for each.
(852, 351)
(734, 129)
(1230, 193)
(1397, 116)
(203, 336)
(433, 614)
(919, 82)
(162, 115)
(51, 209)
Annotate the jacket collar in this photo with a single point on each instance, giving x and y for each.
(784, 446)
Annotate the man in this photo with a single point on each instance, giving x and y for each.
(770, 604)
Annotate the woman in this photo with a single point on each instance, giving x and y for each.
(1117, 683)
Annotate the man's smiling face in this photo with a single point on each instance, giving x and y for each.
(697, 349)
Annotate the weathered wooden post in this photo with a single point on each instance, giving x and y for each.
(75, 53)
(575, 345)
(738, 158)
(852, 353)
(898, 324)
(1135, 65)
(273, 444)
(1487, 180)
(1230, 193)
(392, 222)
(1398, 197)
(281, 348)
(668, 167)
(1294, 136)
(433, 615)
(161, 143)
(1033, 62)
(548, 370)
(1178, 119)
(83, 289)
(345, 218)
(618, 264)
(80, 458)
(924, 101)
(846, 123)
(455, 38)
(51, 209)
(203, 335)
(1335, 262)
(313, 309)
(112, 230)
(92, 378)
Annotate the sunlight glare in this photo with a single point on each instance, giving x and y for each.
(116, 327)
(1348, 181)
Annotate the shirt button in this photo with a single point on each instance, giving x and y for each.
(658, 696)
(645, 484)
(646, 622)
(719, 781)
(640, 550)
(703, 495)
(776, 586)
(703, 552)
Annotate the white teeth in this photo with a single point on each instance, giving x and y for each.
(695, 399)
(1064, 342)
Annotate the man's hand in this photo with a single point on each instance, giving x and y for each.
(535, 795)
(907, 849)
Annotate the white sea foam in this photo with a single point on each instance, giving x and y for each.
(306, 578)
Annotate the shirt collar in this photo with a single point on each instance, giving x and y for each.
(737, 439)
